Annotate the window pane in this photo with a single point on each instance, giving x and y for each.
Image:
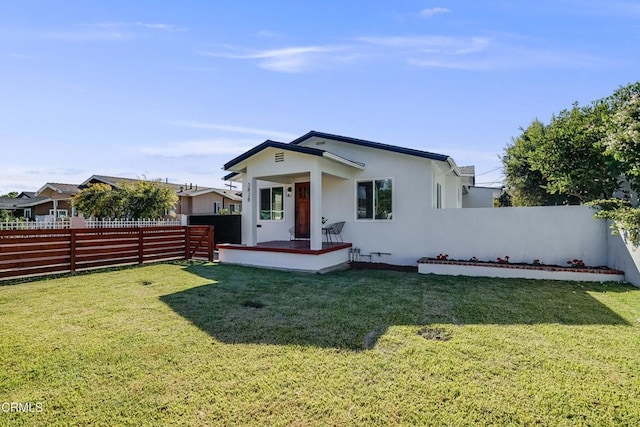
(265, 203)
(365, 200)
(383, 199)
(277, 204)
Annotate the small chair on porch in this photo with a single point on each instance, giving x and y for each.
(333, 229)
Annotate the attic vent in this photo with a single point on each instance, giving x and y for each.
(279, 157)
(321, 142)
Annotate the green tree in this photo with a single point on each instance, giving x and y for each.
(571, 157)
(580, 156)
(10, 195)
(623, 139)
(526, 184)
(147, 199)
(5, 215)
(99, 200)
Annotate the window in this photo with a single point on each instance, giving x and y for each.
(61, 213)
(272, 203)
(27, 213)
(217, 206)
(234, 208)
(375, 199)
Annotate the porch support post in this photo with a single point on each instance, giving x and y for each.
(249, 211)
(55, 208)
(316, 209)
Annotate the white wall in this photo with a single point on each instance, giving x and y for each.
(623, 256)
(552, 234)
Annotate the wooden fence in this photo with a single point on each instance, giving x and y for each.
(37, 252)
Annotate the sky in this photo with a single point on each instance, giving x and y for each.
(172, 90)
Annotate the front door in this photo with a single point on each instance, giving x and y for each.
(303, 210)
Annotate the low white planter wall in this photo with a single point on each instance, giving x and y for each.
(454, 268)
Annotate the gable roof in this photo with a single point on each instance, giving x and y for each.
(296, 146)
(60, 188)
(371, 144)
(272, 144)
(9, 203)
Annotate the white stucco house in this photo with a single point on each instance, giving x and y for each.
(381, 192)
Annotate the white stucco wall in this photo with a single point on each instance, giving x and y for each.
(624, 256)
(552, 234)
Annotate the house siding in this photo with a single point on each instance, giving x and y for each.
(413, 179)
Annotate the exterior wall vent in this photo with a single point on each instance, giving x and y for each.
(279, 157)
(321, 142)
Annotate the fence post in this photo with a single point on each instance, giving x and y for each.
(140, 246)
(187, 242)
(72, 257)
(210, 243)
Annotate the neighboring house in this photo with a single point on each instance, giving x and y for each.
(380, 191)
(480, 197)
(52, 200)
(59, 200)
(208, 201)
(192, 200)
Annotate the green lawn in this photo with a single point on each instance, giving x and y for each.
(172, 344)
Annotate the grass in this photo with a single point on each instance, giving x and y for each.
(190, 344)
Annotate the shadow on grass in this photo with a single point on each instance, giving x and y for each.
(352, 309)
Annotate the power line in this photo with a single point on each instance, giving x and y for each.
(489, 171)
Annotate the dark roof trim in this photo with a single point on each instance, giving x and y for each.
(371, 144)
(272, 144)
(231, 175)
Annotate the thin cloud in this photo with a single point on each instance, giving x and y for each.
(146, 25)
(88, 36)
(428, 13)
(293, 59)
(209, 147)
(468, 65)
(442, 44)
(236, 129)
(471, 53)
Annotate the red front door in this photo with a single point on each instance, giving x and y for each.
(303, 210)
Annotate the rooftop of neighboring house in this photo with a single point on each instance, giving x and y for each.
(10, 203)
(186, 189)
(60, 188)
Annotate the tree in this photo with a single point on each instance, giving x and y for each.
(147, 199)
(580, 156)
(571, 157)
(526, 184)
(623, 139)
(10, 195)
(99, 200)
(144, 199)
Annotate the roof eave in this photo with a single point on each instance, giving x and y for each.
(371, 144)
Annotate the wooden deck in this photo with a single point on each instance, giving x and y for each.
(292, 247)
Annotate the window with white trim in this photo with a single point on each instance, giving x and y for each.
(272, 203)
(234, 208)
(217, 206)
(60, 213)
(374, 199)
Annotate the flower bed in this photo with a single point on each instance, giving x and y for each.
(503, 268)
